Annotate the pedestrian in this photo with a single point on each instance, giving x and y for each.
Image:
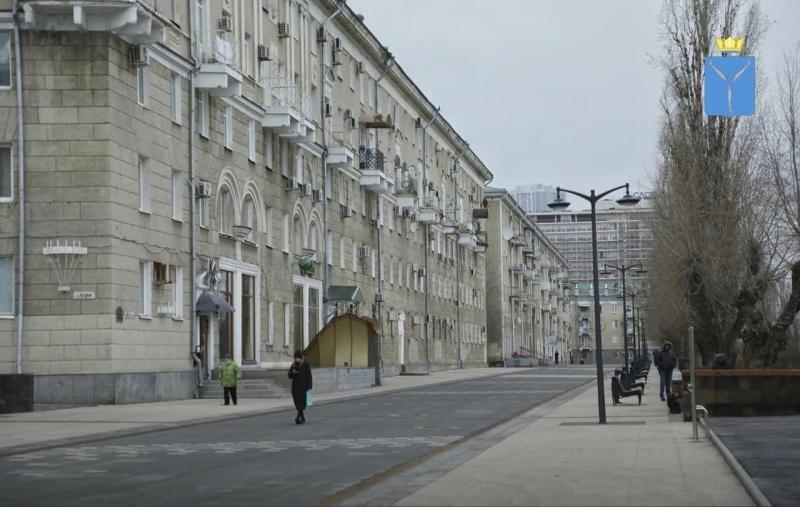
(556, 357)
(229, 375)
(665, 363)
(300, 373)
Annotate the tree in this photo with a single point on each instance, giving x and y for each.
(710, 267)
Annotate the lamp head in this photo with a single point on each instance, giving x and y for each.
(627, 199)
(558, 204)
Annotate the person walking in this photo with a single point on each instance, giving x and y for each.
(300, 373)
(556, 357)
(665, 363)
(229, 375)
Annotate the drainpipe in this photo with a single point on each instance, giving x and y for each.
(378, 227)
(325, 253)
(193, 23)
(21, 191)
(427, 233)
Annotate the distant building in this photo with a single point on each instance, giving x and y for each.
(624, 236)
(533, 198)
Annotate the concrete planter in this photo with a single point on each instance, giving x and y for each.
(747, 392)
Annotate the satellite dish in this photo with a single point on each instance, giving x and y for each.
(413, 226)
(508, 233)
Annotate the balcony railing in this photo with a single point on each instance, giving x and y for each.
(371, 159)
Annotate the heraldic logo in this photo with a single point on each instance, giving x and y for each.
(730, 81)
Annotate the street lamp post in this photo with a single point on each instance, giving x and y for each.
(593, 198)
(624, 269)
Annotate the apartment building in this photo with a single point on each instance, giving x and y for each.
(528, 310)
(534, 198)
(624, 238)
(209, 177)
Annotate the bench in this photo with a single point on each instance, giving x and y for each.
(619, 391)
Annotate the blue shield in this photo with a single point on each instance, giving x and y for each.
(730, 85)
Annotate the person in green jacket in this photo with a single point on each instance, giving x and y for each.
(229, 375)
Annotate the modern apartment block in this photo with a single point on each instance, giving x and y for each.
(185, 154)
(533, 198)
(623, 238)
(528, 310)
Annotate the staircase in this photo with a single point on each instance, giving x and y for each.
(247, 389)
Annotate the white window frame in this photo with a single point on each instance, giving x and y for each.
(142, 85)
(268, 234)
(269, 145)
(329, 248)
(10, 197)
(203, 212)
(613, 308)
(9, 260)
(287, 324)
(145, 300)
(7, 50)
(177, 294)
(271, 323)
(175, 98)
(251, 140)
(228, 127)
(286, 236)
(343, 253)
(204, 114)
(177, 196)
(144, 185)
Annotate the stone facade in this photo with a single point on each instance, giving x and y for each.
(108, 144)
(528, 311)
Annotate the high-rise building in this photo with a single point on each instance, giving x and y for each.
(533, 198)
(623, 238)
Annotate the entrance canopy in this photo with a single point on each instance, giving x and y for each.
(208, 302)
(347, 341)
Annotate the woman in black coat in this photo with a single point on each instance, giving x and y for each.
(300, 373)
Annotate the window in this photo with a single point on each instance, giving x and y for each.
(248, 55)
(173, 11)
(228, 127)
(141, 85)
(251, 140)
(177, 293)
(615, 339)
(287, 324)
(312, 236)
(270, 323)
(248, 325)
(6, 286)
(268, 153)
(362, 92)
(329, 248)
(248, 217)
(614, 324)
(176, 196)
(202, 211)
(5, 59)
(285, 233)
(145, 287)
(353, 75)
(6, 175)
(175, 99)
(268, 240)
(144, 185)
(204, 114)
(225, 212)
(613, 308)
(343, 253)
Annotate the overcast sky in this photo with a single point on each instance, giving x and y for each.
(561, 92)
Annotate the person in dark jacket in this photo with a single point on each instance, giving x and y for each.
(300, 373)
(666, 363)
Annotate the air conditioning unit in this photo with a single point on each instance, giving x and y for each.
(162, 274)
(321, 34)
(290, 183)
(363, 252)
(350, 123)
(337, 44)
(264, 53)
(345, 211)
(359, 67)
(140, 55)
(328, 110)
(225, 24)
(421, 272)
(348, 113)
(283, 30)
(398, 211)
(202, 190)
(306, 189)
(316, 195)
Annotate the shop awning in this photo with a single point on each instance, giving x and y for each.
(209, 302)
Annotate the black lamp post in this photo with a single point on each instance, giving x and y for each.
(624, 269)
(593, 198)
(636, 343)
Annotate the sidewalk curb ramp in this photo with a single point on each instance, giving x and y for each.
(747, 482)
(287, 406)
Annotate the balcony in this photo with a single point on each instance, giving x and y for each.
(584, 330)
(467, 239)
(519, 240)
(407, 190)
(288, 113)
(128, 20)
(340, 157)
(546, 307)
(530, 274)
(373, 178)
(517, 268)
(429, 213)
(217, 73)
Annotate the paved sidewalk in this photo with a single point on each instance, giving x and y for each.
(33, 430)
(566, 458)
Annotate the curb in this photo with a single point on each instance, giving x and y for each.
(153, 428)
(749, 484)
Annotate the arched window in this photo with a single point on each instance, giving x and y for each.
(312, 236)
(225, 212)
(298, 238)
(248, 217)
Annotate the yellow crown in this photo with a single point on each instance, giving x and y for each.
(730, 45)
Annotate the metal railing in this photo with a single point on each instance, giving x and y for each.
(285, 93)
(371, 159)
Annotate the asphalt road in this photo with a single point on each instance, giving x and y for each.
(267, 459)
